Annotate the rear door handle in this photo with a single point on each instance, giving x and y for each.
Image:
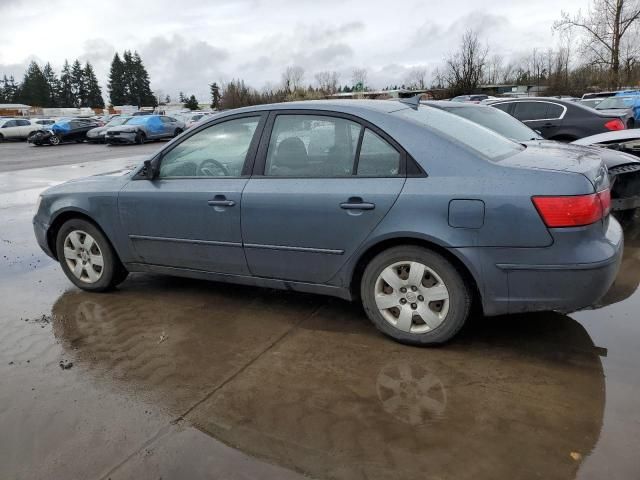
(356, 203)
(220, 201)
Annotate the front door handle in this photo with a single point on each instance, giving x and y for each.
(220, 201)
(356, 203)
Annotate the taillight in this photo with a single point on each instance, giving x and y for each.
(573, 210)
(615, 124)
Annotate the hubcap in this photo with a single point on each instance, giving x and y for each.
(412, 297)
(83, 256)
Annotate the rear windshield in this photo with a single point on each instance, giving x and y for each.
(460, 130)
(615, 102)
(498, 121)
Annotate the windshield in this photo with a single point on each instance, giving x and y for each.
(117, 121)
(615, 102)
(480, 139)
(498, 121)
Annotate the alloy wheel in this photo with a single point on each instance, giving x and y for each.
(83, 256)
(411, 297)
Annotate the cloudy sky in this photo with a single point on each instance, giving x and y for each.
(187, 45)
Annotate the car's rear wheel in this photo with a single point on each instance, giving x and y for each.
(415, 295)
(141, 138)
(1, 138)
(87, 258)
(54, 140)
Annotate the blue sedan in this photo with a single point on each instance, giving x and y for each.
(416, 212)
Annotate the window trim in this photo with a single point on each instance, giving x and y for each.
(249, 159)
(261, 157)
(514, 107)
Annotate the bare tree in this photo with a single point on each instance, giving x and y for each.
(605, 26)
(494, 69)
(359, 79)
(327, 81)
(417, 78)
(465, 68)
(292, 78)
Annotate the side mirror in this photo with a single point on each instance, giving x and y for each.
(150, 169)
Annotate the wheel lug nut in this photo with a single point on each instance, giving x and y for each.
(414, 305)
(403, 290)
(403, 301)
(421, 298)
(414, 288)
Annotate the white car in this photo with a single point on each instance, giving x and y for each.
(16, 128)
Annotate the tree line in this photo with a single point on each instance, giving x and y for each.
(77, 86)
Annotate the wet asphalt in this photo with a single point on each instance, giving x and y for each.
(174, 378)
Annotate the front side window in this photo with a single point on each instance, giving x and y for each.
(217, 151)
(531, 111)
(377, 157)
(312, 146)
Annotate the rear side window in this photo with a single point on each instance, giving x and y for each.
(531, 111)
(23, 123)
(502, 106)
(377, 157)
(459, 130)
(312, 146)
(555, 111)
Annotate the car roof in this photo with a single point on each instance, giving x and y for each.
(329, 105)
(448, 104)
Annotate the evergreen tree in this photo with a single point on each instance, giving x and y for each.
(181, 97)
(128, 79)
(116, 85)
(141, 86)
(65, 93)
(167, 99)
(77, 85)
(93, 92)
(53, 85)
(9, 92)
(215, 96)
(34, 89)
(192, 103)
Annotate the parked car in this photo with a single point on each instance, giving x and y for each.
(561, 120)
(590, 102)
(141, 128)
(192, 119)
(624, 105)
(98, 134)
(66, 130)
(470, 98)
(16, 128)
(42, 122)
(413, 210)
(623, 168)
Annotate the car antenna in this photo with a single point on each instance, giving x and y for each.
(413, 102)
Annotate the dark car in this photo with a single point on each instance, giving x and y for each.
(412, 210)
(561, 120)
(65, 130)
(623, 168)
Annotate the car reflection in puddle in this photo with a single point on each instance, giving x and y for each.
(306, 383)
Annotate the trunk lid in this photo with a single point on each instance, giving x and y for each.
(548, 156)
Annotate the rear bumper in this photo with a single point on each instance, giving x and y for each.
(573, 273)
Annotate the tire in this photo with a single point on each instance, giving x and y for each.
(177, 132)
(1, 138)
(75, 235)
(140, 138)
(625, 217)
(446, 309)
(54, 140)
(631, 123)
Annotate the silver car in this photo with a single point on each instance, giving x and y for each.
(98, 134)
(142, 128)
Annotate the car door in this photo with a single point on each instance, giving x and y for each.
(24, 128)
(189, 216)
(321, 184)
(10, 129)
(543, 116)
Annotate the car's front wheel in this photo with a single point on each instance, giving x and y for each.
(54, 140)
(415, 295)
(87, 258)
(141, 138)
